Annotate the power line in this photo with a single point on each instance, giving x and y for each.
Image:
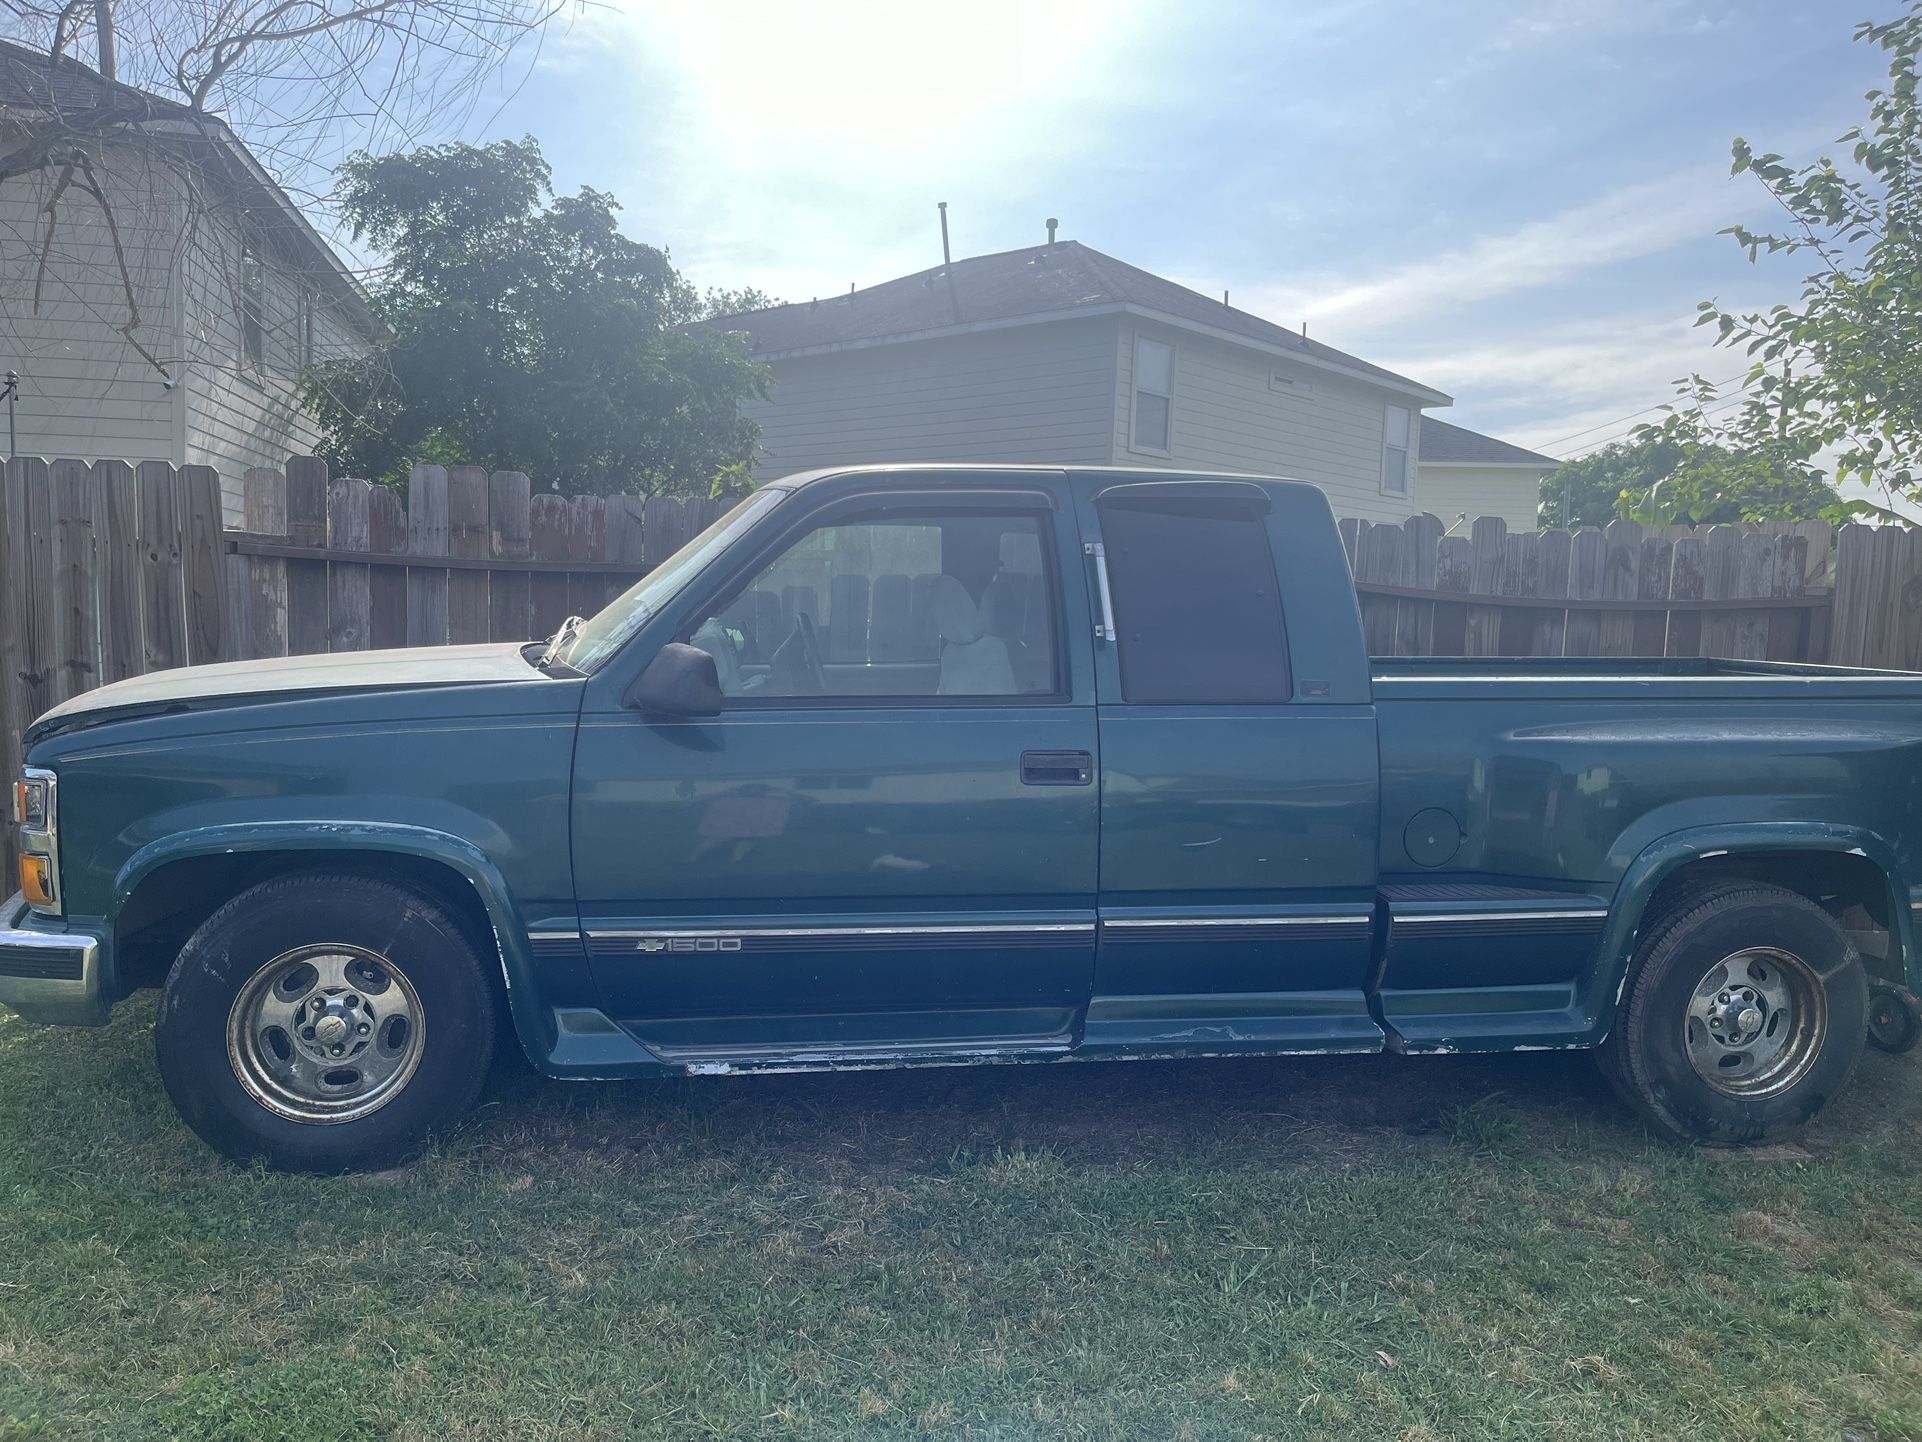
(1723, 404)
(1604, 425)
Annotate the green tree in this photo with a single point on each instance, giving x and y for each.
(1677, 473)
(1588, 491)
(1708, 482)
(1836, 378)
(527, 333)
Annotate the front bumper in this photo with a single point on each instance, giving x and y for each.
(47, 975)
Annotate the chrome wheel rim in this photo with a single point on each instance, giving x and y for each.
(326, 1033)
(1756, 1022)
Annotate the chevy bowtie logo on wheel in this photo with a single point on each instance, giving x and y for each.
(652, 944)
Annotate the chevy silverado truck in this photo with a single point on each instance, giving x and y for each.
(944, 765)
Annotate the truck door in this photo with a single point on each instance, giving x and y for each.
(1239, 774)
(886, 842)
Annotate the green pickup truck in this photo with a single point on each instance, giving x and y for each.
(945, 765)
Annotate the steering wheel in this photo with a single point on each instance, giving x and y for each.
(810, 654)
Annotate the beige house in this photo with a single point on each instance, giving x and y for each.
(1465, 473)
(182, 338)
(1059, 353)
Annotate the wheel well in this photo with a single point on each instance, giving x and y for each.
(172, 901)
(1851, 888)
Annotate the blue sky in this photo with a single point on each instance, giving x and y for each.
(1515, 203)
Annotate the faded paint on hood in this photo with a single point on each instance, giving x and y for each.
(416, 667)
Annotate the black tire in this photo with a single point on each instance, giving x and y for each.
(1647, 1056)
(418, 945)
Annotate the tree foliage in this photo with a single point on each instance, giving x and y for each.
(1835, 380)
(1678, 473)
(527, 333)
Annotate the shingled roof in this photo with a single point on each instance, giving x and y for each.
(31, 80)
(1446, 445)
(1046, 282)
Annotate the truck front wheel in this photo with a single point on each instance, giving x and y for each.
(325, 1022)
(1745, 1011)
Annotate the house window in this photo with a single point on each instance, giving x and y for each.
(1154, 394)
(306, 327)
(253, 306)
(1394, 452)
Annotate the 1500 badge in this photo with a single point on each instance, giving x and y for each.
(651, 944)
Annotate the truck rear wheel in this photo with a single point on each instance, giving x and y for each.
(1745, 1011)
(325, 1022)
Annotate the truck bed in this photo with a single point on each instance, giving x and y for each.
(1676, 677)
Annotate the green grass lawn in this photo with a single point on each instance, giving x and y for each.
(1352, 1248)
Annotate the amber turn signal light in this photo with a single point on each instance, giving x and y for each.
(36, 880)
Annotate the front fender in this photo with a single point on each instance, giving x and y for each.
(532, 1021)
(1662, 857)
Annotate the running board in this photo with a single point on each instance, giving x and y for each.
(720, 1061)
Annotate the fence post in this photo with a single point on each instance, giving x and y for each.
(427, 536)
(1651, 627)
(586, 541)
(1488, 548)
(118, 545)
(307, 581)
(509, 498)
(547, 540)
(1587, 552)
(1415, 620)
(1552, 551)
(467, 536)
(76, 581)
(387, 586)
(349, 586)
(211, 635)
(1621, 581)
(264, 507)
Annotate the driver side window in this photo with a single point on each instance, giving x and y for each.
(903, 606)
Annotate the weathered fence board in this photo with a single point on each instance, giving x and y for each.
(119, 565)
(508, 509)
(76, 580)
(307, 581)
(349, 586)
(427, 525)
(469, 617)
(263, 501)
(387, 586)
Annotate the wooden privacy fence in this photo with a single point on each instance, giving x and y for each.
(339, 565)
(1625, 590)
(109, 571)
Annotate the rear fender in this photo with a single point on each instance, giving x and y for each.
(1663, 857)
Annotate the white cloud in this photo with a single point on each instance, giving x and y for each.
(1625, 224)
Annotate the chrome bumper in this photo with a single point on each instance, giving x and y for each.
(48, 976)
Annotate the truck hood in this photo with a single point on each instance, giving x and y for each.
(235, 682)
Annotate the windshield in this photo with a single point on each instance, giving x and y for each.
(608, 629)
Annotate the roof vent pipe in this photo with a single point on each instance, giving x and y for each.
(1052, 224)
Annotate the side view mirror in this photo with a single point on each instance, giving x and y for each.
(680, 681)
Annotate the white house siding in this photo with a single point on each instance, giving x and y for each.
(235, 417)
(1024, 393)
(1228, 415)
(84, 391)
(1512, 494)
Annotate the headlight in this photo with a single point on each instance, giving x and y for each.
(32, 803)
(36, 812)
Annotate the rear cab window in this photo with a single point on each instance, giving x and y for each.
(1197, 603)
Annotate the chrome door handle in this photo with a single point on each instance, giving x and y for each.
(1103, 628)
